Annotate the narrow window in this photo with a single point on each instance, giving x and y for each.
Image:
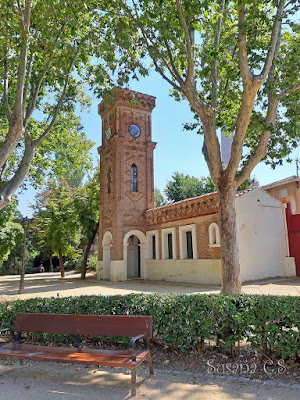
(109, 180)
(170, 246)
(189, 244)
(214, 235)
(153, 248)
(133, 178)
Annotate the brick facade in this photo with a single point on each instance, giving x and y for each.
(122, 210)
(127, 217)
(201, 211)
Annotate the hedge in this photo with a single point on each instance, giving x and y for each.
(269, 323)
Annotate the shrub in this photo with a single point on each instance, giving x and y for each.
(92, 262)
(269, 323)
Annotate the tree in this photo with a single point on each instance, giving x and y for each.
(159, 199)
(48, 50)
(11, 232)
(185, 186)
(237, 64)
(86, 204)
(55, 222)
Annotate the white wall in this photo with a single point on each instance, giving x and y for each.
(261, 235)
(204, 272)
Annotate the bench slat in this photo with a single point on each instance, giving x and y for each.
(102, 325)
(111, 358)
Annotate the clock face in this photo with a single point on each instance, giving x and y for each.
(134, 130)
(108, 133)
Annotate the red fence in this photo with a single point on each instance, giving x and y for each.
(293, 225)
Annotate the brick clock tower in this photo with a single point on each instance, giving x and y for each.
(126, 184)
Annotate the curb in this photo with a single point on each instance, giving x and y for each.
(228, 378)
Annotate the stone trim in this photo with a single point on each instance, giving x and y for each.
(149, 236)
(214, 235)
(164, 243)
(182, 241)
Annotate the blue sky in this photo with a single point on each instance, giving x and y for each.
(176, 149)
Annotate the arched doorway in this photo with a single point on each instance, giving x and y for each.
(106, 245)
(134, 254)
(133, 257)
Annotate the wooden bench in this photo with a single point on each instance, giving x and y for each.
(135, 327)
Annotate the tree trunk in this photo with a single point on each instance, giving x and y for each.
(51, 264)
(231, 279)
(87, 251)
(61, 264)
(10, 187)
(22, 275)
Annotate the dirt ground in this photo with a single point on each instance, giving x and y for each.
(50, 284)
(49, 381)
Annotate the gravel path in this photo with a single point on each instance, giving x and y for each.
(50, 284)
(48, 381)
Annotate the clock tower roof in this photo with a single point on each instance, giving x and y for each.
(126, 97)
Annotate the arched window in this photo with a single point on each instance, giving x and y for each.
(214, 235)
(133, 178)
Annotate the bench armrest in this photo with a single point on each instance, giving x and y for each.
(132, 344)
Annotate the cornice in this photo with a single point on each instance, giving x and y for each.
(190, 208)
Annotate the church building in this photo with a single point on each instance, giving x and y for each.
(179, 242)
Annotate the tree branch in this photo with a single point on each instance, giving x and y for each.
(160, 71)
(3, 171)
(61, 99)
(214, 72)
(18, 13)
(272, 48)
(35, 92)
(211, 146)
(246, 73)
(178, 77)
(189, 44)
(28, 78)
(17, 115)
(10, 188)
(243, 120)
(288, 91)
(147, 38)
(260, 151)
(5, 90)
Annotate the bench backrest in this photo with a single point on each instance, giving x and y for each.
(102, 325)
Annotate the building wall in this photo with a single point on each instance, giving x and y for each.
(204, 272)
(195, 215)
(261, 235)
(289, 193)
(204, 251)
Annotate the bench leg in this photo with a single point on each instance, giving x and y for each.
(133, 381)
(150, 366)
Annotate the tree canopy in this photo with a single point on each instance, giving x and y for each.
(182, 187)
(11, 231)
(50, 52)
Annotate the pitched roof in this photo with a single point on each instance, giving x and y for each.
(282, 182)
